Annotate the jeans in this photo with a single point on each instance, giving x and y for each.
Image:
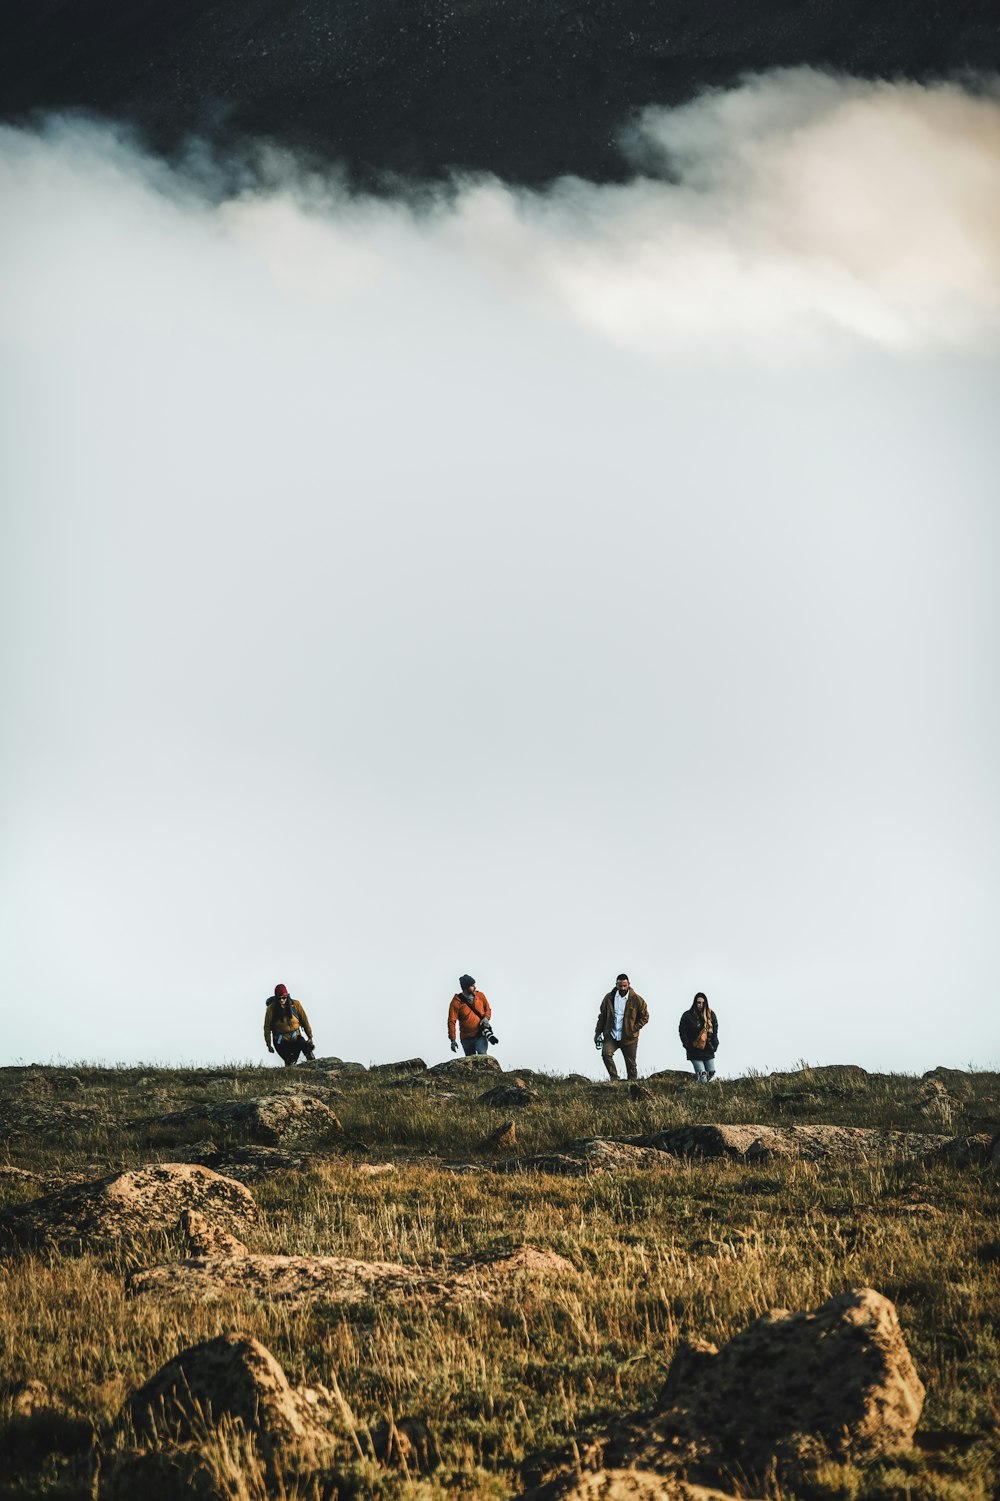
(704, 1072)
(472, 1045)
(628, 1053)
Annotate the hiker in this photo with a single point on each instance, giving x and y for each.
(286, 1027)
(699, 1032)
(468, 1011)
(622, 1015)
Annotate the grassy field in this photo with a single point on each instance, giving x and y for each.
(508, 1380)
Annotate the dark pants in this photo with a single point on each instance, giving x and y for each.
(472, 1045)
(289, 1051)
(628, 1053)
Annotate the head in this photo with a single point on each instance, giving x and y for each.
(281, 992)
(700, 1002)
(622, 984)
(467, 985)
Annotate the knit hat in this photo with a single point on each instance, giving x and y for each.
(466, 982)
(281, 991)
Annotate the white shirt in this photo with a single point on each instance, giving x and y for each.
(620, 1003)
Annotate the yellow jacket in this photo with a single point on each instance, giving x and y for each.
(278, 1025)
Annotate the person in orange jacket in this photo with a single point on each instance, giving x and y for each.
(286, 1027)
(468, 1011)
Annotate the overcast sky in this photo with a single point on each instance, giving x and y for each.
(540, 586)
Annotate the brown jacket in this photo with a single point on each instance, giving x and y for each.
(280, 1028)
(468, 1015)
(636, 1016)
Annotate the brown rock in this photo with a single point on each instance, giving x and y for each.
(291, 1280)
(503, 1137)
(207, 1239)
(407, 1066)
(270, 1120)
(963, 1151)
(233, 1376)
(474, 1064)
(522, 1259)
(792, 1388)
(29, 1397)
(623, 1485)
(593, 1155)
(127, 1205)
(755, 1144)
(49, 1118)
(514, 1095)
(407, 1442)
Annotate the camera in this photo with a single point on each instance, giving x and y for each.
(485, 1030)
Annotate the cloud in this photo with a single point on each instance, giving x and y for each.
(796, 216)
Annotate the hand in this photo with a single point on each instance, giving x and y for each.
(454, 1047)
(269, 1048)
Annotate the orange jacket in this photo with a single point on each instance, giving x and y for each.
(467, 1015)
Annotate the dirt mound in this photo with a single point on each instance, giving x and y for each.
(270, 1120)
(118, 1209)
(592, 1155)
(805, 1142)
(793, 1388)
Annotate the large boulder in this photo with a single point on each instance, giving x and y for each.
(405, 1066)
(760, 1143)
(270, 1120)
(47, 1117)
(475, 1063)
(127, 1206)
(792, 1389)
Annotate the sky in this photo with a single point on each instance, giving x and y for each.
(539, 585)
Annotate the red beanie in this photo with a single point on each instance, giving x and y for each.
(281, 990)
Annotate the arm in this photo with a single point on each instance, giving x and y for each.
(268, 1030)
(600, 1027)
(486, 1006)
(452, 1018)
(642, 1014)
(301, 1013)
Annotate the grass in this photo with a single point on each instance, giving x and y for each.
(512, 1379)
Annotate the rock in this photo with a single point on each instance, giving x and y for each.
(756, 1144)
(128, 1205)
(374, 1169)
(249, 1164)
(521, 1259)
(234, 1376)
(577, 1159)
(207, 1239)
(291, 1280)
(407, 1066)
(955, 1080)
(792, 1389)
(52, 1118)
(271, 1120)
(623, 1485)
(503, 1137)
(407, 1442)
(962, 1151)
(28, 1397)
(516, 1094)
(475, 1063)
(671, 1076)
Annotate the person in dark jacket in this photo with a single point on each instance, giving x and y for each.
(699, 1032)
(622, 1016)
(286, 1027)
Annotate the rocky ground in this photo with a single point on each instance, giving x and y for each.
(413, 1281)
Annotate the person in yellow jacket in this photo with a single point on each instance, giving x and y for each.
(286, 1027)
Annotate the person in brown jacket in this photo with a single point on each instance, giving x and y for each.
(468, 1010)
(622, 1015)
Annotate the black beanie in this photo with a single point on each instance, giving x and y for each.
(466, 982)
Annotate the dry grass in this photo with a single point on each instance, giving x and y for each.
(695, 1249)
